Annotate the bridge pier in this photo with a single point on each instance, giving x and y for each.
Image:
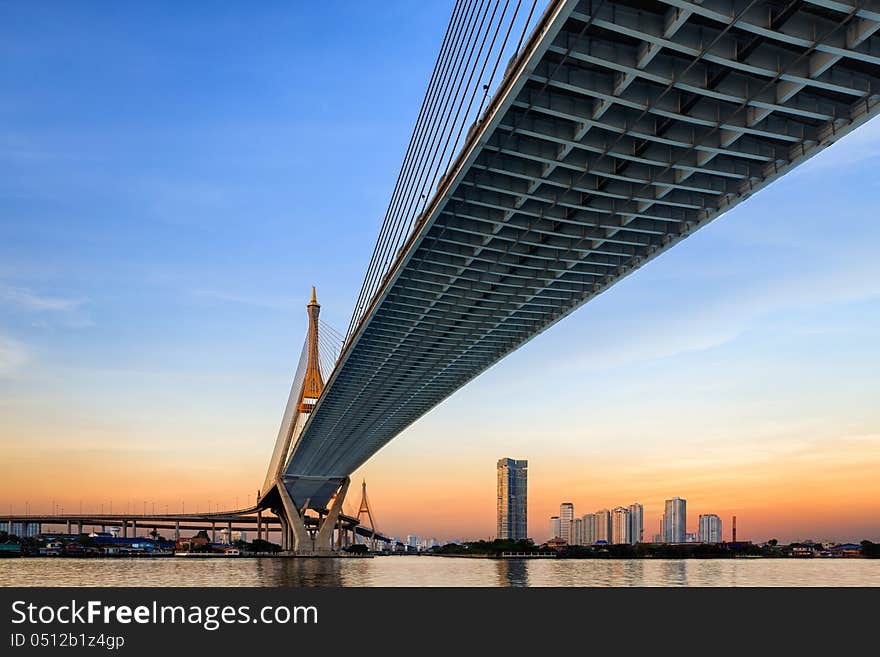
(285, 533)
(177, 530)
(299, 538)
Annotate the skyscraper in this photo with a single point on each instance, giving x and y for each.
(602, 526)
(566, 515)
(577, 532)
(512, 494)
(554, 527)
(709, 529)
(620, 527)
(636, 522)
(588, 525)
(675, 521)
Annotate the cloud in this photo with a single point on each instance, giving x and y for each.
(31, 301)
(13, 355)
(692, 327)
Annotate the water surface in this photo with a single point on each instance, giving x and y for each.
(438, 571)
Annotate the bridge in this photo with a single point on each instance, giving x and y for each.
(618, 128)
(348, 529)
(553, 155)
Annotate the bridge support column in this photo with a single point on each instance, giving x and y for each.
(134, 529)
(79, 527)
(68, 527)
(324, 538)
(304, 542)
(213, 532)
(282, 522)
(260, 524)
(296, 527)
(177, 530)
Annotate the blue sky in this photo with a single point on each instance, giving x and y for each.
(174, 178)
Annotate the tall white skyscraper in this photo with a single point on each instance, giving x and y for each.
(602, 526)
(554, 527)
(512, 497)
(620, 528)
(636, 523)
(675, 521)
(709, 529)
(566, 516)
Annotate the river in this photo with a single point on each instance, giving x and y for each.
(437, 571)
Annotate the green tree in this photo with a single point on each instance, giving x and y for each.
(870, 549)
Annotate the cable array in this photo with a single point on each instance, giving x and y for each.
(477, 39)
(330, 343)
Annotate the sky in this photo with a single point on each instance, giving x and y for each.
(173, 180)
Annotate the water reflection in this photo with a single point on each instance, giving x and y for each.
(300, 572)
(513, 572)
(438, 571)
(674, 572)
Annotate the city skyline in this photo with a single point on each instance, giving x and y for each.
(143, 252)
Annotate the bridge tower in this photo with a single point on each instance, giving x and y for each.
(313, 385)
(301, 533)
(365, 512)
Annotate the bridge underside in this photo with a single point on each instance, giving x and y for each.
(622, 128)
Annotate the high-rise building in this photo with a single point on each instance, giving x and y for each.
(588, 524)
(512, 497)
(602, 526)
(566, 516)
(554, 527)
(577, 531)
(675, 521)
(620, 527)
(636, 522)
(709, 529)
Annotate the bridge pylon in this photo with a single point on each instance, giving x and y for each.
(306, 527)
(365, 513)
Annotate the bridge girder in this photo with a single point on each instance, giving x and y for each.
(622, 127)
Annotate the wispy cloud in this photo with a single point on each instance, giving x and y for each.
(13, 355)
(702, 327)
(32, 301)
